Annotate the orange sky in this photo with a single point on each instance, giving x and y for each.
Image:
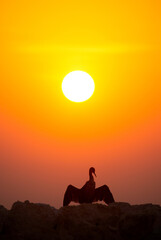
(48, 142)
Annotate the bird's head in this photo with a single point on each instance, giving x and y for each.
(92, 170)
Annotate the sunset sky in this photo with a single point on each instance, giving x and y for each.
(47, 141)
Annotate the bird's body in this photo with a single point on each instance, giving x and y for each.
(88, 193)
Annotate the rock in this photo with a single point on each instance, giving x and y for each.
(118, 221)
(141, 222)
(30, 221)
(3, 216)
(87, 221)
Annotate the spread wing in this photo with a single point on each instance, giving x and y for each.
(71, 194)
(103, 193)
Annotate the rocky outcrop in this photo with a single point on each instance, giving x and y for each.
(3, 216)
(29, 221)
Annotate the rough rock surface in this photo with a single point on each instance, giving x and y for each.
(118, 221)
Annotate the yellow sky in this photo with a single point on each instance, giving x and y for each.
(119, 44)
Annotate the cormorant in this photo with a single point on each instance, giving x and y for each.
(88, 193)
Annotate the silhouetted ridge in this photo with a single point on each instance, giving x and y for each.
(117, 221)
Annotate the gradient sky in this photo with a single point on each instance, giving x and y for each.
(48, 142)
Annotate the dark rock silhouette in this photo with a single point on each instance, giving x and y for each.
(88, 193)
(3, 216)
(117, 221)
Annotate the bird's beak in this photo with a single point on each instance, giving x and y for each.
(95, 175)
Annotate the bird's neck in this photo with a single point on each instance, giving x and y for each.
(91, 178)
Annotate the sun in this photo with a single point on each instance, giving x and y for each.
(78, 86)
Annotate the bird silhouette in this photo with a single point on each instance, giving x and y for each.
(88, 193)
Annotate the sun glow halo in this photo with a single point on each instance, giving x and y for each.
(78, 86)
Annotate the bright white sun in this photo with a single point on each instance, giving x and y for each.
(78, 86)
